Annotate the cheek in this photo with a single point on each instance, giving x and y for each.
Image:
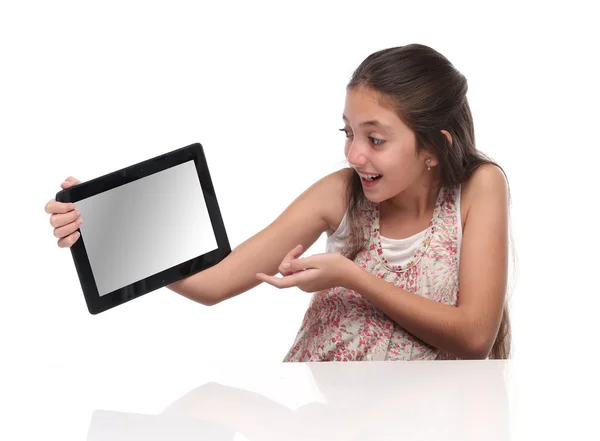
(403, 169)
(401, 164)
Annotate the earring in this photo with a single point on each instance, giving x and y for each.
(428, 165)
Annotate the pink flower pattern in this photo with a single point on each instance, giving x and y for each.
(341, 325)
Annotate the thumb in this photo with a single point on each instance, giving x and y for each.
(69, 182)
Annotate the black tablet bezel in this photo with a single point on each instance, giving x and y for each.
(195, 152)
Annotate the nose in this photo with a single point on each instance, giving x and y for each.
(356, 155)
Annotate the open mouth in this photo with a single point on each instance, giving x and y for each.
(370, 178)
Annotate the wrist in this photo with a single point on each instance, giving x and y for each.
(351, 275)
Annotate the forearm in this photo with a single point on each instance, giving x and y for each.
(442, 326)
(201, 287)
(232, 276)
(236, 273)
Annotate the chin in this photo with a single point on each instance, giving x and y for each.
(375, 197)
(381, 194)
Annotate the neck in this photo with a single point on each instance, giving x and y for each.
(416, 201)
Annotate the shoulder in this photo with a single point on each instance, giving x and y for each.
(487, 184)
(340, 178)
(325, 200)
(334, 184)
(487, 177)
(331, 192)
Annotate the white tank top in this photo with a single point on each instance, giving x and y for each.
(397, 251)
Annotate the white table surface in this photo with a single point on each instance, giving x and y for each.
(449, 400)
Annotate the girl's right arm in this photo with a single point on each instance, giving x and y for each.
(320, 208)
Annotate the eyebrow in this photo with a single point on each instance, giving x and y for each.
(372, 122)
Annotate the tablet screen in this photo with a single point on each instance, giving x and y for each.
(146, 226)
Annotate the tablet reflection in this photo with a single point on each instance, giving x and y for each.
(364, 401)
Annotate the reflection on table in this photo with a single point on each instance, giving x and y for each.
(450, 400)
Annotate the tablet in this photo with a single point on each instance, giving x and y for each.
(146, 226)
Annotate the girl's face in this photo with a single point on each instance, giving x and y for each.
(380, 147)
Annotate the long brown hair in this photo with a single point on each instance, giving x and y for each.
(429, 95)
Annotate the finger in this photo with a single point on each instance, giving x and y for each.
(68, 229)
(277, 282)
(304, 263)
(69, 182)
(287, 281)
(58, 220)
(53, 206)
(67, 242)
(283, 269)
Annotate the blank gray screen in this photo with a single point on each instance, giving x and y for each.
(144, 227)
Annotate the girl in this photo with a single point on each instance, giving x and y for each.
(416, 263)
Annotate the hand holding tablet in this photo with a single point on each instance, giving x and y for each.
(143, 227)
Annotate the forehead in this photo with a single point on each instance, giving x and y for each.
(364, 106)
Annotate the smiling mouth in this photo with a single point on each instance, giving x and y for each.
(370, 178)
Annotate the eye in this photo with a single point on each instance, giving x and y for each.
(376, 141)
(347, 132)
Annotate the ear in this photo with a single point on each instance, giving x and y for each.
(447, 135)
(432, 160)
(429, 158)
(429, 155)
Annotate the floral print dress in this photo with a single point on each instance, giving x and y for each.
(341, 325)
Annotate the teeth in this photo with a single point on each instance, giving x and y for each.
(370, 177)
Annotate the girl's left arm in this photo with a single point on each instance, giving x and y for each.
(469, 329)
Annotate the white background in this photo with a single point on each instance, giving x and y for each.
(88, 88)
